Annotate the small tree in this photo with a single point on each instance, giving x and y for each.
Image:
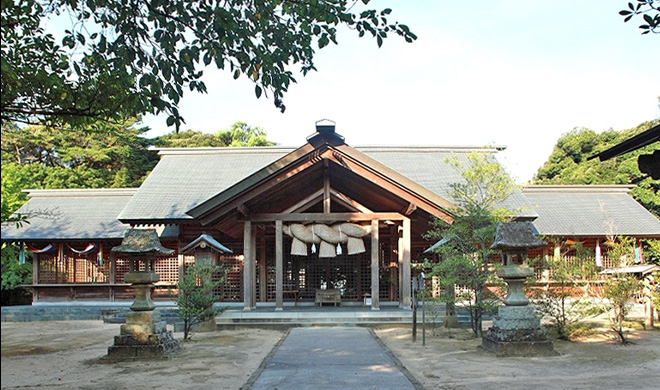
(652, 285)
(465, 254)
(196, 297)
(620, 288)
(556, 298)
(619, 291)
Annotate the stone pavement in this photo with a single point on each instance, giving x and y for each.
(331, 358)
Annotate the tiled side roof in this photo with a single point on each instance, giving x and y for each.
(590, 211)
(71, 215)
(428, 167)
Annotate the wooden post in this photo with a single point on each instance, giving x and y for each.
(375, 277)
(248, 258)
(394, 274)
(253, 271)
(263, 268)
(406, 301)
(279, 266)
(113, 275)
(35, 277)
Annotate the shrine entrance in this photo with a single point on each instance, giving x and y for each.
(323, 224)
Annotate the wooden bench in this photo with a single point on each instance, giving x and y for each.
(331, 295)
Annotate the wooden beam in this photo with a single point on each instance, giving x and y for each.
(212, 215)
(391, 186)
(247, 268)
(322, 217)
(348, 202)
(375, 266)
(410, 209)
(243, 210)
(279, 266)
(305, 203)
(326, 187)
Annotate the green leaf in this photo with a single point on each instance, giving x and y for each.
(257, 91)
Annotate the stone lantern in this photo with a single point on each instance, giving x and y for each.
(143, 335)
(516, 331)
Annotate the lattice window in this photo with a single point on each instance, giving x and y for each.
(122, 266)
(167, 269)
(351, 274)
(87, 269)
(231, 270)
(51, 269)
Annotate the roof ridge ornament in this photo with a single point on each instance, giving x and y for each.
(325, 134)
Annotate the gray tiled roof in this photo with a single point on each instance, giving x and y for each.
(78, 214)
(184, 178)
(428, 167)
(590, 211)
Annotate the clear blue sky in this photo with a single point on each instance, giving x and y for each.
(513, 73)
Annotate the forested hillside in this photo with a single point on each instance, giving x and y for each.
(568, 163)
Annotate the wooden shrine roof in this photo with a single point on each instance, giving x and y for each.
(186, 178)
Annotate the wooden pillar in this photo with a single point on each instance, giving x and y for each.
(35, 277)
(394, 274)
(248, 259)
(181, 260)
(113, 275)
(406, 299)
(253, 272)
(263, 269)
(375, 277)
(279, 266)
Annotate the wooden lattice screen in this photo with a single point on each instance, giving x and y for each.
(351, 274)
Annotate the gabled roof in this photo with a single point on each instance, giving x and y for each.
(590, 210)
(74, 214)
(186, 179)
(331, 150)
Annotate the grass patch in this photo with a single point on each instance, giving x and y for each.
(579, 330)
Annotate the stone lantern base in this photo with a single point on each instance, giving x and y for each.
(517, 332)
(143, 336)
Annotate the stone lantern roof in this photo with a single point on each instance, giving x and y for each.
(142, 241)
(516, 236)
